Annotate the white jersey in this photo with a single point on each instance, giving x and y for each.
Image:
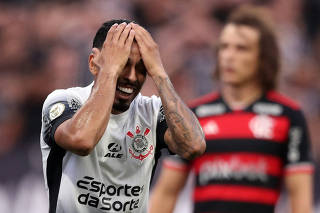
(116, 175)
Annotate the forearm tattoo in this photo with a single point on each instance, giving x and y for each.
(184, 127)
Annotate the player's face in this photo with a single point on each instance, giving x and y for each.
(238, 55)
(130, 81)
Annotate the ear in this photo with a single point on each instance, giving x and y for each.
(91, 61)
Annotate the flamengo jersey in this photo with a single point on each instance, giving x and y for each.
(115, 176)
(248, 153)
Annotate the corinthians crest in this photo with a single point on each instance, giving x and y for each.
(140, 145)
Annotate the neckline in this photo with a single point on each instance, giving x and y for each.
(120, 115)
(245, 109)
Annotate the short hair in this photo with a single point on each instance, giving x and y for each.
(102, 32)
(269, 54)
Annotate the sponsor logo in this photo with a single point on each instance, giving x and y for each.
(267, 108)
(115, 198)
(162, 116)
(74, 104)
(56, 110)
(140, 147)
(295, 137)
(220, 169)
(262, 126)
(114, 150)
(210, 109)
(114, 147)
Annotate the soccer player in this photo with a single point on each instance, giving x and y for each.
(100, 143)
(256, 138)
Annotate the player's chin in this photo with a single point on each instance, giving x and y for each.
(121, 103)
(119, 106)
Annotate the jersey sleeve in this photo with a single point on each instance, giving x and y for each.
(175, 162)
(58, 108)
(298, 156)
(161, 129)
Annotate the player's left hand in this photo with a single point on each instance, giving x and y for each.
(149, 51)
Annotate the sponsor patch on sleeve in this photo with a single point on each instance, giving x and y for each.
(56, 110)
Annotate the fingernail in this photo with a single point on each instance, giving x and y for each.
(115, 24)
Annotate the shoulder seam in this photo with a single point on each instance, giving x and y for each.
(284, 100)
(203, 99)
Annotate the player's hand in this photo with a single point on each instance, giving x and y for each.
(115, 50)
(149, 51)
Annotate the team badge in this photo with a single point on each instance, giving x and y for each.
(262, 126)
(210, 128)
(56, 110)
(140, 145)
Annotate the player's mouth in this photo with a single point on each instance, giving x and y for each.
(228, 69)
(125, 91)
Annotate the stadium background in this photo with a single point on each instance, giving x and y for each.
(44, 45)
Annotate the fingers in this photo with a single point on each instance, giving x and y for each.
(143, 33)
(130, 39)
(125, 33)
(110, 33)
(118, 31)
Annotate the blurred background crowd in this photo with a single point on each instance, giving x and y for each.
(45, 45)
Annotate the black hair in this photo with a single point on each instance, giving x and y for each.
(102, 32)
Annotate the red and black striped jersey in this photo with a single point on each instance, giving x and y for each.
(248, 153)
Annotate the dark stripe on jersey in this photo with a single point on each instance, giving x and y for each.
(246, 145)
(231, 207)
(157, 155)
(160, 143)
(54, 172)
(271, 183)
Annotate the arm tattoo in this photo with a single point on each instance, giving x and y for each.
(184, 127)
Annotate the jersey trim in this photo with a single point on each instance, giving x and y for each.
(299, 168)
(54, 173)
(173, 165)
(160, 132)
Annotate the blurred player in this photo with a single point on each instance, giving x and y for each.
(100, 143)
(256, 138)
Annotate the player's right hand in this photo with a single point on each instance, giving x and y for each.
(115, 51)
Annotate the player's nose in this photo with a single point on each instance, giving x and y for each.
(131, 74)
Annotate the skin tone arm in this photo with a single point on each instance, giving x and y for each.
(167, 190)
(299, 186)
(82, 132)
(184, 135)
